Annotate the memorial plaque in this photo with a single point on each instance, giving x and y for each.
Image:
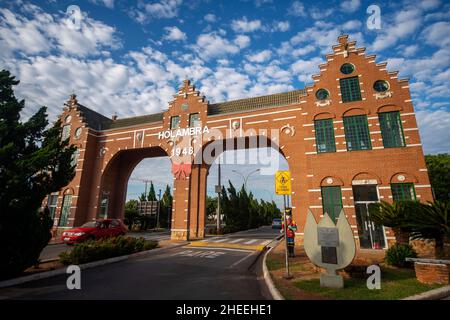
(327, 237)
(329, 255)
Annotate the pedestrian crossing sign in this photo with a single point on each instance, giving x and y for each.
(283, 183)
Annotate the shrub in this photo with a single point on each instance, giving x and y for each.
(397, 254)
(93, 250)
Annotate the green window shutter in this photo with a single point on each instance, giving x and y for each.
(174, 122)
(357, 133)
(194, 120)
(403, 191)
(350, 90)
(391, 129)
(324, 135)
(332, 201)
(65, 210)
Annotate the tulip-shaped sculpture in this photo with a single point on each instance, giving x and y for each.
(329, 246)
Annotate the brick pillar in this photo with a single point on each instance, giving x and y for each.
(180, 209)
(197, 210)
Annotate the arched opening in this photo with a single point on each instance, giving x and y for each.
(127, 164)
(247, 171)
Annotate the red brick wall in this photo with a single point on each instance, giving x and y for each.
(432, 273)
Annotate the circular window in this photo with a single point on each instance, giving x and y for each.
(347, 68)
(322, 94)
(381, 86)
(78, 132)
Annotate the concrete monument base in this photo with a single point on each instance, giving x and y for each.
(331, 281)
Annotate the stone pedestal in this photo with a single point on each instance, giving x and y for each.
(331, 281)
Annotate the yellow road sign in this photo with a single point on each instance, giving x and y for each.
(283, 183)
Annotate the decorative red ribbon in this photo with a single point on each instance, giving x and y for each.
(181, 170)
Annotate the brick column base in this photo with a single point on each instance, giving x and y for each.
(178, 235)
(432, 272)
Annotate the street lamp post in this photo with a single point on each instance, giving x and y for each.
(245, 177)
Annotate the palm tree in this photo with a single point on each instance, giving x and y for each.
(395, 216)
(432, 221)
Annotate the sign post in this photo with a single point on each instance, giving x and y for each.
(283, 187)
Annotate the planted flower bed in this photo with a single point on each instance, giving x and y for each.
(94, 250)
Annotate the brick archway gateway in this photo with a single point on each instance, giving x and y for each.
(111, 147)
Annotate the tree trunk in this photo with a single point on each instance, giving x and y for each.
(401, 237)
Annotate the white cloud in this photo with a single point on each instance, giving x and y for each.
(260, 56)
(350, 5)
(437, 34)
(44, 32)
(107, 3)
(320, 13)
(245, 26)
(164, 9)
(352, 25)
(297, 9)
(281, 26)
(210, 18)
(304, 69)
(212, 45)
(434, 128)
(242, 41)
(402, 25)
(174, 34)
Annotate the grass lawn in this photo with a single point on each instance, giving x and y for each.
(395, 284)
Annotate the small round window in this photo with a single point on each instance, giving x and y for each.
(381, 86)
(322, 94)
(347, 68)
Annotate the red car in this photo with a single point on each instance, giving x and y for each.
(97, 229)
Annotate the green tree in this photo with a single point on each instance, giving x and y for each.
(166, 208)
(211, 206)
(439, 173)
(143, 197)
(151, 194)
(131, 213)
(34, 161)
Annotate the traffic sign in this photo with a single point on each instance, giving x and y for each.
(283, 183)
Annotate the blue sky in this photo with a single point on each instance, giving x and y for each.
(128, 57)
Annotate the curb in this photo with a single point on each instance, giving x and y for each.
(435, 294)
(53, 273)
(276, 295)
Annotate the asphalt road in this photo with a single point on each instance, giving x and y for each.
(181, 273)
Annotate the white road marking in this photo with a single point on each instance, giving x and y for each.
(220, 240)
(210, 254)
(251, 241)
(237, 240)
(240, 260)
(265, 243)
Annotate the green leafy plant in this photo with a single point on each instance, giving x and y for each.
(397, 254)
(395, 216)
(94, 250)
(432, 221)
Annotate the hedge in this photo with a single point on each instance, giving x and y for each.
(93, 250)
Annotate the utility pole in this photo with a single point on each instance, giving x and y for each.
(159, 209)
(218, 190)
